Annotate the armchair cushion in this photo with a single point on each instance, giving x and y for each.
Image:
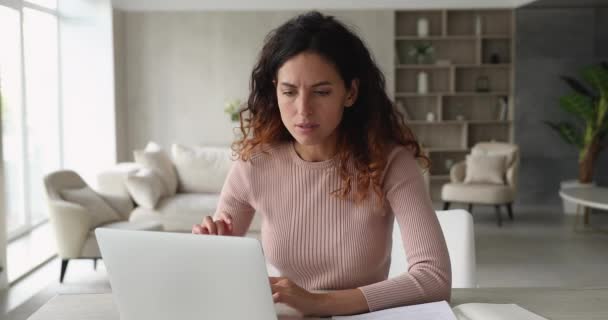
(145, 186)
(99, 210)
(155, 159)
(477, 193)
(485, 169)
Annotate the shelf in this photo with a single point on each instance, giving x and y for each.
(435, 38)
(434, 123)
(485, 65)
(455, 122)
(450, 94)
(473, 93)
(422, 66)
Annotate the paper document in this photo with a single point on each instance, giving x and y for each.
(427, 311)
(490, 311)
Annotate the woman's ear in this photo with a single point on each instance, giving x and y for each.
(352, 94)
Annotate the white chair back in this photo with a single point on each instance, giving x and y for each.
(457, 227)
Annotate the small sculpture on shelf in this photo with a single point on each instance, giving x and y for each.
(430, 117)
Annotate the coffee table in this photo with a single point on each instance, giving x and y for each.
(586, 199)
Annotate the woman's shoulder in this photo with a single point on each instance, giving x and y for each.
(399, 153)
(265, 152)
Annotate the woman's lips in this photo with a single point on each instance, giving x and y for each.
(306, 127)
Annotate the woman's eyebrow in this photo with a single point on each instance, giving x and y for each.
(322, 83)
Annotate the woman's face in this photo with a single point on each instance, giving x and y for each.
(312, 97)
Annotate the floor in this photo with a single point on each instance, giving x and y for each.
(29, 251)
(538, 249)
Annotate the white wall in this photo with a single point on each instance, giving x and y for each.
(87, 84)
(181, 67)
(3, 240)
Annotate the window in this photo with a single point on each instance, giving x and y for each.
(29, 88)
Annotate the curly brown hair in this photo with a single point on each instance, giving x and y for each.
(368, 130)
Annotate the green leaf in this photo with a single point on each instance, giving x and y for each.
(568, 132)
(578, 86)
(597, 77)
(579, 105)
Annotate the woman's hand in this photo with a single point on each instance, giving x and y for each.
(287, 292)
(220, 227)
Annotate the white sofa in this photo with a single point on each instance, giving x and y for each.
(200, 173)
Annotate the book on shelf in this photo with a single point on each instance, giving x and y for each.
(441, 311)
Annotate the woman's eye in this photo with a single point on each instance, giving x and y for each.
(288, 93)
(322, 93)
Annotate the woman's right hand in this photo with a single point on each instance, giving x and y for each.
(220, 227)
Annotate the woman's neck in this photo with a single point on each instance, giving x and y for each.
(317, 152)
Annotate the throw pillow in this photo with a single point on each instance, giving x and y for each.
(146, 187)
(485, 169)
(201, 169)
(101, 212)
(155, 159)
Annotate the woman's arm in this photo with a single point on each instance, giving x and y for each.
(429, 275)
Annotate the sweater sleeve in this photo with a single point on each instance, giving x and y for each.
(235, 198)
(428, 278)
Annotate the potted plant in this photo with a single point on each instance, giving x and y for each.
(421, 52)
(589, 104)
(233, 109)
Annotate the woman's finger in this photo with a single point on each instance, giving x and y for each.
(208, 222)
(221, 227)
(196, 229)
(274, 280)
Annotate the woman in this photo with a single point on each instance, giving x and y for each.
(328, 161)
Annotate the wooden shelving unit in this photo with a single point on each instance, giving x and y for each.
(463, 113)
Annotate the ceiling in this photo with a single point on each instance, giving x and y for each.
(264, 5)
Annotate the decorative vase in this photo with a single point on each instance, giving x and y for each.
(478, 25)
(423, 27)
(423, 82)
(430, 117)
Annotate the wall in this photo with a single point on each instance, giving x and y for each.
(552, 41)
(181, 67)
(87, 84)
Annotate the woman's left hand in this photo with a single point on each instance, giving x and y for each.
(287, 292)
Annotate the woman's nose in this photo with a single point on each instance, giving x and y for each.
(303, 105)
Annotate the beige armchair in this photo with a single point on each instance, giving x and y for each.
(485, 193)
(73, 223)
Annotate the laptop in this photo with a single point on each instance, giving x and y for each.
(162, 275)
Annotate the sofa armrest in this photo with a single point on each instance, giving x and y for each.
(72, 224)
(458, 171)
(111, 187)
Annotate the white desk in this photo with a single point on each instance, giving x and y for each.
(586, 199)
(551, 303)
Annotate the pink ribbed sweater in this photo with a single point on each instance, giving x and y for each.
(324, 243)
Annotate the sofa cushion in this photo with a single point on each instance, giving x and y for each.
(100, 211)
(201, 169)
(145, 186)
(485, 169)
(179, 212)
(157, 160)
